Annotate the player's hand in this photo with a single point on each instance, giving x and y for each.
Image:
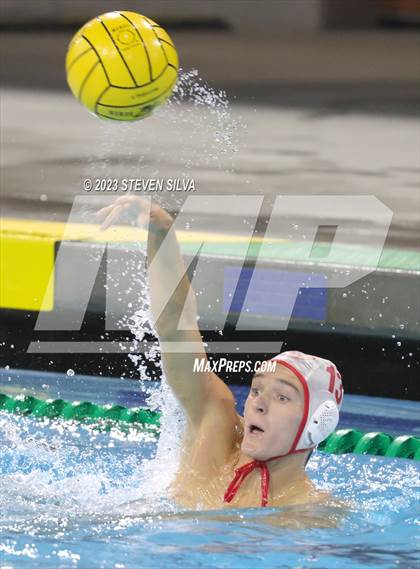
(144, 209)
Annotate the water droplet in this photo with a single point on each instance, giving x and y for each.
(70, 372)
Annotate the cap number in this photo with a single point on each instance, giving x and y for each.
(335, 387)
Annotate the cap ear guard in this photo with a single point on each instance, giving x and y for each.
(323, 394)
(322, 423)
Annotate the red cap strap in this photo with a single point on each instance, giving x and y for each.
(242, 472)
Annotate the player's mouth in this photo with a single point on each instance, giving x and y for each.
(254, 430)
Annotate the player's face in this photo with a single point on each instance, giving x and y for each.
(273, 412)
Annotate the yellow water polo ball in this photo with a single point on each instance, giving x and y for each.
(121, 66)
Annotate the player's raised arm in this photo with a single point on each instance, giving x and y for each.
(197, 391)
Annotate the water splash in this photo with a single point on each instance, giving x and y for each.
(195, 129)
(162, 468)
(201, 116)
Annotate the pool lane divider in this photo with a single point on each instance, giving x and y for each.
(103, 416)
(106, 417)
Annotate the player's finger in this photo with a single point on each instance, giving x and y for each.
(142, 219)
(103, 212)
(113, 215)
(107, 209)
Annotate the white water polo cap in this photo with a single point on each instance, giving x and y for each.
(323, 395)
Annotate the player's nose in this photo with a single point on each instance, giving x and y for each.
(260, 404)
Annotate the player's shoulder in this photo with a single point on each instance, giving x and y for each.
(315, 509)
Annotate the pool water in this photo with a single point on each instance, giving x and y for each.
(74, 497)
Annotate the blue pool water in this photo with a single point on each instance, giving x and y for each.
(72, 497)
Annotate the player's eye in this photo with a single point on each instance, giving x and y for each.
(281, 397)
(254, 390)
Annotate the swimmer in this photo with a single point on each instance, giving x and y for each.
(228, 460)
